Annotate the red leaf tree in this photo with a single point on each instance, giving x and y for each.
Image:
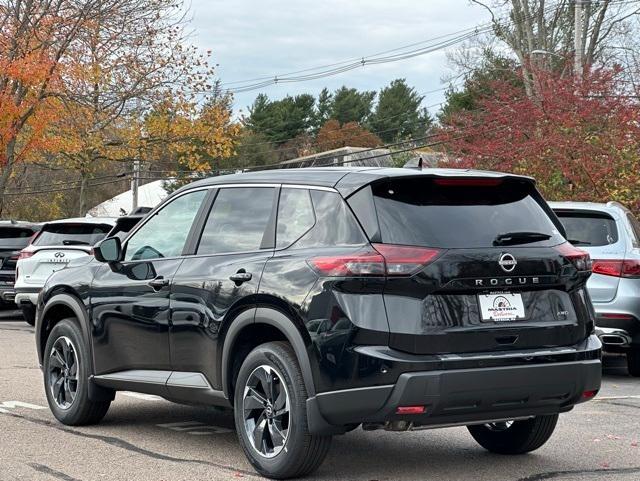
(580, 141)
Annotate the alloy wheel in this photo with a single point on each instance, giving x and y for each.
(62, 372)
(266, 411)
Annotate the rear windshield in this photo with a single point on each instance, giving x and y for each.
(589, 228)
(459, 213)
(15, 236)
(71, 234)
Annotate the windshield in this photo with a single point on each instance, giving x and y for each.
(460, 213)
(589, 228)
(71, 234)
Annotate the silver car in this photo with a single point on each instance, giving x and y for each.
(611, 235)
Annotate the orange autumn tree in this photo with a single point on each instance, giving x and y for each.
(333, 135)
(134, 91)
(35, 37)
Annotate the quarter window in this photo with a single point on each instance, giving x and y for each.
(165, 234)
(238, 220)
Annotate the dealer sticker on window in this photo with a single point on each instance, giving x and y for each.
(503, 306)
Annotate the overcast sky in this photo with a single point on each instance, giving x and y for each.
(256, 38)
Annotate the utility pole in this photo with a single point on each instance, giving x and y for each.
(135, 179)
(135, 183)
(577, 39)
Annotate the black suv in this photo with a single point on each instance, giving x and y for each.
(313, 301)
(14, 236)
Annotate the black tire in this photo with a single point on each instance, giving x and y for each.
(78, 409)
(516, 437)
(29, 314)
(633, 362)
(301, 452)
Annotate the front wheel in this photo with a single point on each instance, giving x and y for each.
(515, 437)
(271, 417)
(66, 376)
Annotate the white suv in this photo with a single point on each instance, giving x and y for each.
(56, 245)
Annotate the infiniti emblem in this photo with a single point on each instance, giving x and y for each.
(507, 262)
(59, 254)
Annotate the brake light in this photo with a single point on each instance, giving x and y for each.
(25, 254)
(617, 268)
(578, 257)
(386, 259)
(477, 182)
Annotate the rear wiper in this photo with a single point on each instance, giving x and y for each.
(71, 242)
(511, 238)
(576, 242)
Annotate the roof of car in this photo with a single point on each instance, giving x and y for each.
(345, 179)
(610, 207)
(85, 220)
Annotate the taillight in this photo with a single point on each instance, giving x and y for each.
(617, 268)
(386, 259)
(365, 264)
(25, 254)
(631, 268)
(405, 260)
(579, 258)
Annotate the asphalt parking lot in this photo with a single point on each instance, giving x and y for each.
(147, 438)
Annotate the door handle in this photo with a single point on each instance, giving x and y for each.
(158, 283)
(240, 277)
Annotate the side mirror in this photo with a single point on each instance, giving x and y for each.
(108, 250)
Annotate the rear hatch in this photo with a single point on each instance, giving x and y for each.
(12, 240)
(500, 275)
(597, 233)
(56, 246)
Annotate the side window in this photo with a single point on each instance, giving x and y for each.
(238, 220)
(635, 229)
(335, 224)
(295, 216)
(165, 234)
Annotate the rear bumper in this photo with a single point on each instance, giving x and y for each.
(27, 295)
(466, 396)
(7, 294)
(618, 334)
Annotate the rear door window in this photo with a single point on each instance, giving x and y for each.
(238, 220)
(71, 234)
(460, 212)
(589, 228)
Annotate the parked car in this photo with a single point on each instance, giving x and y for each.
(14, 236)
(313, 301)
(57, 244)
(611, 235)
